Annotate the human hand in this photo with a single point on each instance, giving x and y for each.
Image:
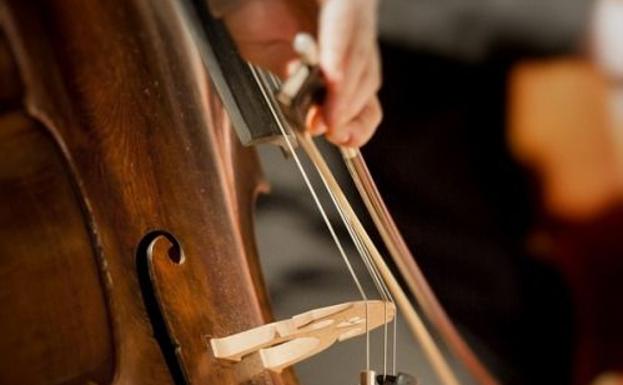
(348, 52)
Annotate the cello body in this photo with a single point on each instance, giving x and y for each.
(126, 235)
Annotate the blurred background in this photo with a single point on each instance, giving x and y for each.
(501, 158)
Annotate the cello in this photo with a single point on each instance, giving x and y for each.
(127, 186)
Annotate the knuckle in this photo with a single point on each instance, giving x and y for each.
(377, 81)
(363, 135)
(378, 117)
(376, 113)
(338, 136)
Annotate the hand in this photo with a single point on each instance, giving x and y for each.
(346, 33)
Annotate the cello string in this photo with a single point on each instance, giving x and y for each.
(317, 202)
(364, 253)
(394, 345)
(349, 166)
(414, 321)
(384, 293)
(349, 221)
(390, 299)
(365, 256)
(388, 296)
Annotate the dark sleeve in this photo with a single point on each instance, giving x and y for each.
(476, 29)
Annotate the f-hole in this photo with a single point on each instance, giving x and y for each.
(152, 306)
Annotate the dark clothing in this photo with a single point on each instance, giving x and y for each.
(441, 149)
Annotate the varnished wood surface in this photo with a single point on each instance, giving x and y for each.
(54, 322)
(10, 85)
(121, 90)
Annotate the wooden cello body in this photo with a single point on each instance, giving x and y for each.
(126, 237)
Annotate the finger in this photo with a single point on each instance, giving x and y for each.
(315, 121)
(360, 129)
(357, 61)
(336, 28)
(364, 125)
(361, 49)
(366, 86)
